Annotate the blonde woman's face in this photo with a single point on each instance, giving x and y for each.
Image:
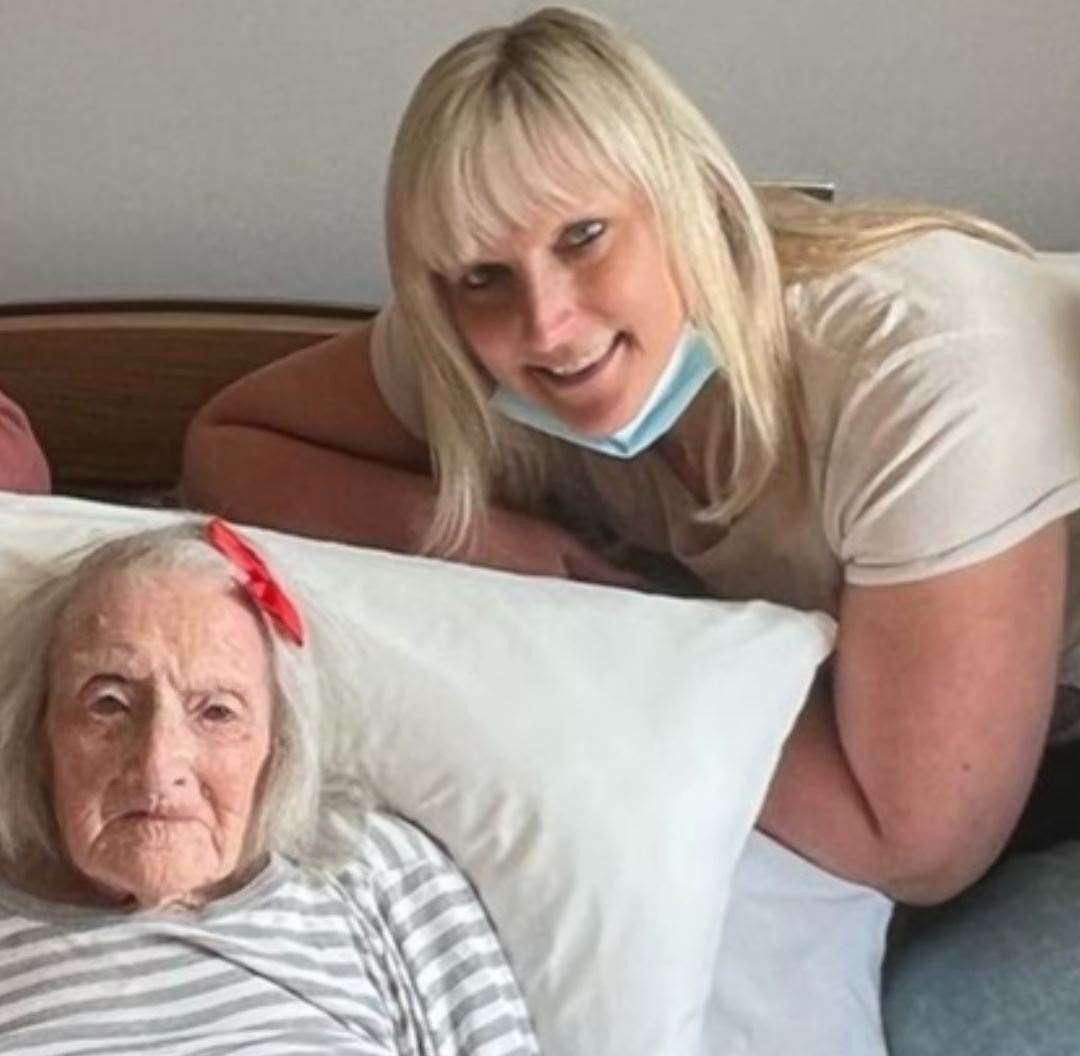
(158, 725)
(577, 311)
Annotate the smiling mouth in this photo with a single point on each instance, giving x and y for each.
(572, 374)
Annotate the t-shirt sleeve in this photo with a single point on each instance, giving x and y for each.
(954, 448)
(469, 998)
(22, 464)
(395, 372)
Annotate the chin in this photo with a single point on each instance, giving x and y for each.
(602, 425)
(598, 417)
(155, 883)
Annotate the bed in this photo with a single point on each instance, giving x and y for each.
(111, 386)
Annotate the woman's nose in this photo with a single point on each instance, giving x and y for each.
(550, 309)
(159, 754)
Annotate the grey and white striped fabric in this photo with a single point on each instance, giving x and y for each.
(393, 957)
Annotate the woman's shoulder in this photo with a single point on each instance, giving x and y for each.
(937, 285)
(389, 844)
(967, 281)
(943, 316)
(940, 384)
(398, 871)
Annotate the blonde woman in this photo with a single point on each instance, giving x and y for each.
(602, 333)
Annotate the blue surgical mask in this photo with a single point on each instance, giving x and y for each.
(690, 366)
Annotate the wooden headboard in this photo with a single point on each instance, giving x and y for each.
(110, 387)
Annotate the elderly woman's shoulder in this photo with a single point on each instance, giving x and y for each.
(390, 843)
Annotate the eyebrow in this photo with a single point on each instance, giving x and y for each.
(214, 687)
(226, 688)
(107, 676)
(487, 256)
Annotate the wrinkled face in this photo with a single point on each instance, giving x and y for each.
(158, 726)
(577, 311)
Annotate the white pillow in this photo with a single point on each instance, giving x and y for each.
(593, 758)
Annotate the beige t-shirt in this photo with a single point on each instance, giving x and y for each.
(941, 382)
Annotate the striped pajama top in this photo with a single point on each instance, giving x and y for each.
(394, 956)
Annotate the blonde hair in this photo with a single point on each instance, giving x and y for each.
(814, 238)
(499, 127)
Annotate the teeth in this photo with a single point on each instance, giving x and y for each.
(586, 361)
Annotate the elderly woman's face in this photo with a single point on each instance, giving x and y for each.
(578, 312)
(158, 724)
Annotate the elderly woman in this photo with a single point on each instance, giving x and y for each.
(175, 869)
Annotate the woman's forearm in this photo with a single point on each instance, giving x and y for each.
(816, 807)
(913, 774)
(263, 477)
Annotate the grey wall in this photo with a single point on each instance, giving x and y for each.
(236, 148)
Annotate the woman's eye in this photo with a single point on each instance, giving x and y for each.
(216, 712)
(582, 233)
(108, 704)
(480, 276)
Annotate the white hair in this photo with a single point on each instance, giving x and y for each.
(302, 811)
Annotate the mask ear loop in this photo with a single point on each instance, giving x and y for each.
(257, 580)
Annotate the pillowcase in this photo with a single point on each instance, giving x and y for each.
(593, 758)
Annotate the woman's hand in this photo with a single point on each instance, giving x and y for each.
(911, 778)
(518, 542)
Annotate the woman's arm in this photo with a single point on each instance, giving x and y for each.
(911, 778)
(309, 445)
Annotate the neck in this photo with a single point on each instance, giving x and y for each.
(698, 450)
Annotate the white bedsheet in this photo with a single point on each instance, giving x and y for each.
(799, 970)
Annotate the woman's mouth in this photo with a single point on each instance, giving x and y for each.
(582, 369)
(156, 813)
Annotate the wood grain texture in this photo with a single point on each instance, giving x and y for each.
(110, 389)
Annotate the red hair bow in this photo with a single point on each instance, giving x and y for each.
(260, 585)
